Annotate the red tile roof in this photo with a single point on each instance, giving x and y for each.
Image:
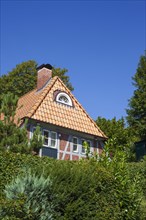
(42, 107)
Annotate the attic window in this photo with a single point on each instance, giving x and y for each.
(63, 98)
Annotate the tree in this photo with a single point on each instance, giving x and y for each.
(23, 77)
(20, 80)
(61, 73)
(120, 137)
(11, 137)
(137, 104)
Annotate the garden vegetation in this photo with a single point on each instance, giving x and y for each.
(43, 188)
(109, 187)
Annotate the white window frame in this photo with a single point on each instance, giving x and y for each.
(66, 96)
(44, 130)
(53, 139)
(77, 150)
(50, 138)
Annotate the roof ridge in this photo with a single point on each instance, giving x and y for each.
(83, 109)
(41, 98)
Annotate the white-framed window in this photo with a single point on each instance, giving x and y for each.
(46, 137)
(75, 144)
(53, 138)
(50, 138)
(64, 98)
(83, 145)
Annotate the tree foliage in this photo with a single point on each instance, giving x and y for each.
(137, 104)
(119, 136)
(20, 80)
(23, 78)
(56, 71)
(11, 137)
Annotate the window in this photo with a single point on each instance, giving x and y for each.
(75, 144)
(50, 138)
(84, 145)
(53, 139)
(46, 137)
(64, 98)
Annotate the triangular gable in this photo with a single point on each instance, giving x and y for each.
(45, 109)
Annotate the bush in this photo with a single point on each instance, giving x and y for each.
(30, 197)
(12, 164)
(89, 190)
(140, 168)
(84, 189)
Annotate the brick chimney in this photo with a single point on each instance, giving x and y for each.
(44, 75)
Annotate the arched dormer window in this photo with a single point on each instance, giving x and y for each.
(64, 98)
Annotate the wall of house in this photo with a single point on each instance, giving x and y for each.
(64, 148)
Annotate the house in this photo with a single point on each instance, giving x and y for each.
(64, 123)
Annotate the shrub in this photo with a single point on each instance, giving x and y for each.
(140, 168)
(12, 164)
(84, 189)
(30, 197)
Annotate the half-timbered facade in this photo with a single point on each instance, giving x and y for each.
(64, 123)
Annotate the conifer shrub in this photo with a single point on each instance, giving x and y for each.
(30, 197)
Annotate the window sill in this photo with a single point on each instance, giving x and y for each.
(49, 146)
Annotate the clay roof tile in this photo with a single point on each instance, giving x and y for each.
(41, 106)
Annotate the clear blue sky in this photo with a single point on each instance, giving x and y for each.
(99, 42)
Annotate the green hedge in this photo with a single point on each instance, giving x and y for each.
(81, 190)
(140, 168)
(12, 164)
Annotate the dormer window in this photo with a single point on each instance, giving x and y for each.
(64, 98)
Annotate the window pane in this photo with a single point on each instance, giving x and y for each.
(53, 139)
(53, 135)
(63, 99)
(75, 140)
(45, 141)
(75, 148)
(46, 134)
(53, 143)
(83, 149)
(75, 144)
(46, 137)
